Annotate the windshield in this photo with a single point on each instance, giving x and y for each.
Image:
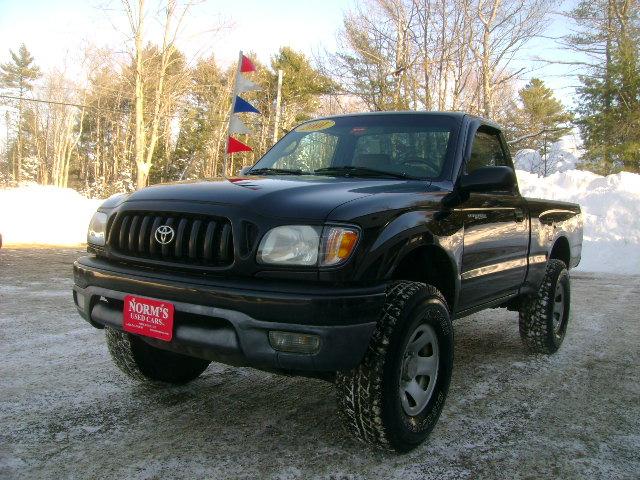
(388, 145)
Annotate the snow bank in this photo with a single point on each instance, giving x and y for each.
(611, 210)
(562, 156)
(44, 215)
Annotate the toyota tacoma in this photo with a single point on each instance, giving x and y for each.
(344, 253)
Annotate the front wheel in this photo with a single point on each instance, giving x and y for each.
(393, 399)
(141, 361)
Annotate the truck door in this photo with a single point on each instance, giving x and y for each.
(496, 229)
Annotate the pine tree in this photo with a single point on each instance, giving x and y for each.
(20, 73)
(203, 120)
(29, 168)
(610, 115)
(609, 97)
(539, 122)
(301, 87)
(17, 76)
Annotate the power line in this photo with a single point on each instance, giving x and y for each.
(53, 102)
(78, 105)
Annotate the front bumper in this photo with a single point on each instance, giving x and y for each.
(228, 321)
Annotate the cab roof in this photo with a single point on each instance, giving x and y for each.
(458, 115)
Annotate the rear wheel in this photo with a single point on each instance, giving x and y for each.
(141, 361)
(545, 315)
(394, 397)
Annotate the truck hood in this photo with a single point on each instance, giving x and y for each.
(309, 198)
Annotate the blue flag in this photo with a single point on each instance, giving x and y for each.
(242, 105)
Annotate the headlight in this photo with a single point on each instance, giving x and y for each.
(290, 245)
(304, 245)
(97, 228)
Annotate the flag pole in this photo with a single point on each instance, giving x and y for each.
(233, 107)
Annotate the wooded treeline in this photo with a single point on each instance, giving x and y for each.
(88, 139)
(152, 115)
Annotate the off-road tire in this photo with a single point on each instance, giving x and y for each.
(141, 361)
(368, 398)
(536, 311)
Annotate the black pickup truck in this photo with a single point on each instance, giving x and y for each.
(344, 253)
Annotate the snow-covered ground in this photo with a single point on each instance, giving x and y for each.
(611, 207)
(67, 412)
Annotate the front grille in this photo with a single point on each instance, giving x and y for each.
(198, 240)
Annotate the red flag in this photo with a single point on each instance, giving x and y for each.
(234, 146)
(246, 65)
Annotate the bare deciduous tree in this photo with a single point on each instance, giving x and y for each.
(504, 27)
(61, 127)
(434, 54)
(147, 122)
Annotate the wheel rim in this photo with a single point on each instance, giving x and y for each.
(558, 309)
(419, 372)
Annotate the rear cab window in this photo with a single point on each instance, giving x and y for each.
(412, 149)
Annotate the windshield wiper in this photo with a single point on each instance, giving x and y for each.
(276, 171)
(350, 170)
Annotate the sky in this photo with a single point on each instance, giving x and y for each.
(55, 30)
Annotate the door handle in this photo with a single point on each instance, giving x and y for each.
(519, 214)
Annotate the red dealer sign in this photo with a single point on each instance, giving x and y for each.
(151, 318)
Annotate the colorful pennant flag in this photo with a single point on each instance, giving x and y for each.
(244, 84)
(241, 105)
(237, 126)
(246, 65)
(234, 146)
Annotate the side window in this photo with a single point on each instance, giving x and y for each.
(486, 151)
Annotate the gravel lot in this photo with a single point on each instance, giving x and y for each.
(67, 412)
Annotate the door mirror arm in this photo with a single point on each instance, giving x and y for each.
(455, 198)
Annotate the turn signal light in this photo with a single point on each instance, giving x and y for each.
(294, 342)
(337, 245)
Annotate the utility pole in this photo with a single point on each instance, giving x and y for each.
(276, 125)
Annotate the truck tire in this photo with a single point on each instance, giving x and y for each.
(141, 361)
(544, 315)
(393, 399)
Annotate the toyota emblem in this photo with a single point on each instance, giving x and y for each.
(164, 234)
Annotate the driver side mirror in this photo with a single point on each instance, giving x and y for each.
(488, 178)
(244, 170)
